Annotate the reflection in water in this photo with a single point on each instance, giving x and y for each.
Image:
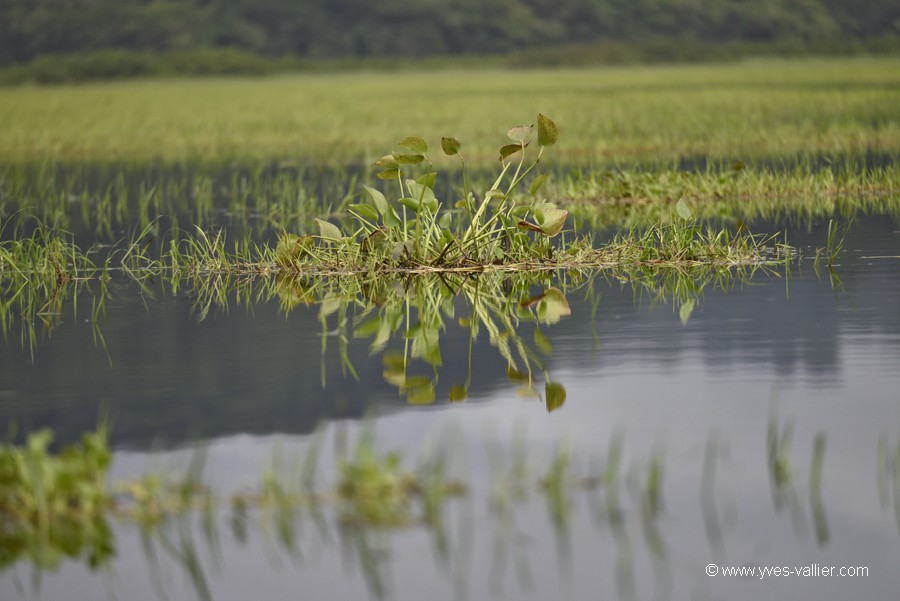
(57, 506)
(510, 307)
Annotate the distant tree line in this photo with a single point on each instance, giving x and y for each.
(341, 29)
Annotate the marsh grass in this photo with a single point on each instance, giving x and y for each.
(99, 203)
(644, 114)
(796, 194)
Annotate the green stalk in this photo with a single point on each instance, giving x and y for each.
(518, 180)
(484, 203)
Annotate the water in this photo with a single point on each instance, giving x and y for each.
(799, 351)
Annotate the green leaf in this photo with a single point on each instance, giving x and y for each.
(684, 313)
(414, 143)
(291, 248)
(450, 146)
(426, 346)
(527, 225)
(411, 203)
(422, 192)
(682, 209)
(378, 199)
(427, 179)
(551, 306)
(555, 395)
(328, 230)
(365, 211)
(494, 194)
(408, 159)
(368, 328)
(445, 220)
(420, 395)
(458, 393)
(537, 183)
(520, 133)
(329, 305)
(391, 218)
(542, 342)
(552, 221)
(387, 162)
(511, 149)
(389, 174)
(515, 375)
(547, 131)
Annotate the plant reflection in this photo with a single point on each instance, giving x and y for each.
(58, 506)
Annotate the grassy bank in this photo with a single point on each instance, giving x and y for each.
(755, 109)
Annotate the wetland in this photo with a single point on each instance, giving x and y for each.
(243, 355)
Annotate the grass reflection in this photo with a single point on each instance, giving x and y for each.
(59, 505)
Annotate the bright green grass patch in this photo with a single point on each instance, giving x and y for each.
(765, 109)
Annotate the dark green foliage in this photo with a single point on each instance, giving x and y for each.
(133, 37)
(54, 505)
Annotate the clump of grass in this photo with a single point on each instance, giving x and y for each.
(412, 232)
(47, 257)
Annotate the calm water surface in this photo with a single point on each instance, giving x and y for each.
(783, 350)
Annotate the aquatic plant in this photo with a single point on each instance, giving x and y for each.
(55, 505)
(412, 231)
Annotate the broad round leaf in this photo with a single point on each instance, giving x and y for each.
(450, 146)
(365, 211)
(551, 306)
(547, 131)
(389, 174)
(411, 203)
(555, 395)
(408, 159)
(520, 133)
(378, 199)
(553, 221)
(682, 209)
(387, 162)
(427, 179)
(510, 149)
(328, 230)
(391, 218)
(421, 192)
(414, 143)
